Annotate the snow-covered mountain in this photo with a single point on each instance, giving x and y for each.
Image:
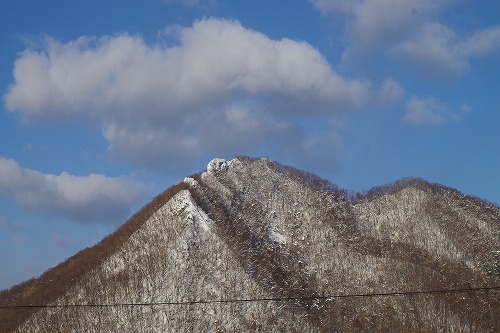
(250, 245)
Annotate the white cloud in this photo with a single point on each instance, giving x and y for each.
(220, 88)
(410, 31)
(439, 51)
(390, 92)
(83, 199)
(375, 24)
(229, 130)
(329, 6)
(9, 224)
(425, 111)
(193, 3)
(433, 50)
(430, 111)
(384, 22)
(480, 43)
(215, 59)
(28, 147)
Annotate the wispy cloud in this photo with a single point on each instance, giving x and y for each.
(330, 6)
(410, 31)
(430, 111)
(377, 24)
(439, 51)
(9, 224)
(193, 3)
(425, 111)
(218, 89)
(390, 92)
(480, 43)
(93, 198)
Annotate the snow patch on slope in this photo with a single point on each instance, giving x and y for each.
(183, 206)
(198, 216)
(272, 229)
(193, 213)
(276, 236)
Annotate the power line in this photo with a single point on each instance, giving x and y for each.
(264, 299)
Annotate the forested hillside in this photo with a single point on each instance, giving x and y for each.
(250, 245)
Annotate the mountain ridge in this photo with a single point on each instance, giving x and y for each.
(263, 219)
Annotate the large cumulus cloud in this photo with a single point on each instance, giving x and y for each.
(212, 88)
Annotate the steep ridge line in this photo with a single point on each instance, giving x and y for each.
(353, 238)
(298, 238)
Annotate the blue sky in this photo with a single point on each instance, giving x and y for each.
(107, 103)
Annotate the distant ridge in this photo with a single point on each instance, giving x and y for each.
(255, 229)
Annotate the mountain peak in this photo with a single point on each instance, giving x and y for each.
(219, 164)
(252, 245)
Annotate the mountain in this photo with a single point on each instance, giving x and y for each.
(250, 245)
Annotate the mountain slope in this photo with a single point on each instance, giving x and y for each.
(277, 240)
